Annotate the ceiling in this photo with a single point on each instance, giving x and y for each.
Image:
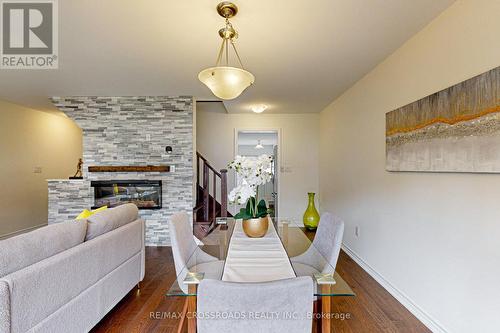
(303, 54)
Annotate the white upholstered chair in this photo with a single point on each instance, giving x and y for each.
(287, 303)
(188, 257)
(327, 242)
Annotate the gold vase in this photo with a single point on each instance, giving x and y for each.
(256, 228)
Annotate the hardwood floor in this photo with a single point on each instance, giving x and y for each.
(372, 309)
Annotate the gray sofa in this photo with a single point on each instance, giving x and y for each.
(65, 277)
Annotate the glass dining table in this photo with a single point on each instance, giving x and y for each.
(219, 256)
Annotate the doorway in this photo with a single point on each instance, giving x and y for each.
(253, 143)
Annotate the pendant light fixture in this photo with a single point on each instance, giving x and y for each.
(259, 145)
(224, 81)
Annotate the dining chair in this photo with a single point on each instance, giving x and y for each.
(278, 306)
(188, 257)
(323, 253)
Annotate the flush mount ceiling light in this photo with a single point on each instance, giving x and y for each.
(259, 145)
(224, 81)
(259, 108)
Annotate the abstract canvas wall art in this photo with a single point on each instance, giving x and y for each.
(454, 130)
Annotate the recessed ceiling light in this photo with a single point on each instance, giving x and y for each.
(259, 108)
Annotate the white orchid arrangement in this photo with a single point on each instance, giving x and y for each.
(253, 172)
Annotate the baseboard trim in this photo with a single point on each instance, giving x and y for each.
(22, 231)
(417, 311)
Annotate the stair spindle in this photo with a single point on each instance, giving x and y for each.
(205, 222)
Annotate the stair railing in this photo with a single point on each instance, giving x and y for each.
(206, 170)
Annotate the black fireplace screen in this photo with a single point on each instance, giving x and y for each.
(145, 194)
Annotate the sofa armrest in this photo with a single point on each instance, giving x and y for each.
(143, 250)
(53, 282)
(4, 307)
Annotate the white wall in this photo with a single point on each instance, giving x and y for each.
(434, 237)
(299, 150)
(30, 139)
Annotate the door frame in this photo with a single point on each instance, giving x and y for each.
(278, 130)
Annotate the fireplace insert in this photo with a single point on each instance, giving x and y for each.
(145, 194)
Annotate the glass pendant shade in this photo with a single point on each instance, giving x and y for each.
(226, 82)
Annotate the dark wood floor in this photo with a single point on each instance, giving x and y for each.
(373, 309)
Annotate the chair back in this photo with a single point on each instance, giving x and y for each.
(182, 240)
(283, 306)
(328, 239)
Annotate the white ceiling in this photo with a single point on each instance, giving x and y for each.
(303, 54)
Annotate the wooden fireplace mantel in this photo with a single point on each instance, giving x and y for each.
(130, 168)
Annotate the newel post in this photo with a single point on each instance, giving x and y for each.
(205, 192)
(223, 193)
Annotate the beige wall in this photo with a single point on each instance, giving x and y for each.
(432, 236)
(299, 149)
(30, 139)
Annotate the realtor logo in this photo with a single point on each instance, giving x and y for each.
(29, 34)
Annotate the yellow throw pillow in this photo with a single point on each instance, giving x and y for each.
(83, 215)
(100, 209)
(87, 213)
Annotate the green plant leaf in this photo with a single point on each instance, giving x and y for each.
(243, 214)
(262, 209)
(250, 203)
(262, 214)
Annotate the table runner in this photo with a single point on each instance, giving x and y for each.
(256, 259)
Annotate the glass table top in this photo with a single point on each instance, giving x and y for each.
(304, 255)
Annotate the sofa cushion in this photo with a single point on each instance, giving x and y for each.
(27, 249)
(109, 219)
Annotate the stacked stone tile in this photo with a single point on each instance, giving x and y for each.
(131, 131)
(67, 199)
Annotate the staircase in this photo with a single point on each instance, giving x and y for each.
(207, 209)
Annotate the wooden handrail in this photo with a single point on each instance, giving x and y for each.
(207, 163)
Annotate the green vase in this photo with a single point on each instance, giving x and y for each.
(311, 215)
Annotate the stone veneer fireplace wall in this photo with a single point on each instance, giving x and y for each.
(130, 131)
